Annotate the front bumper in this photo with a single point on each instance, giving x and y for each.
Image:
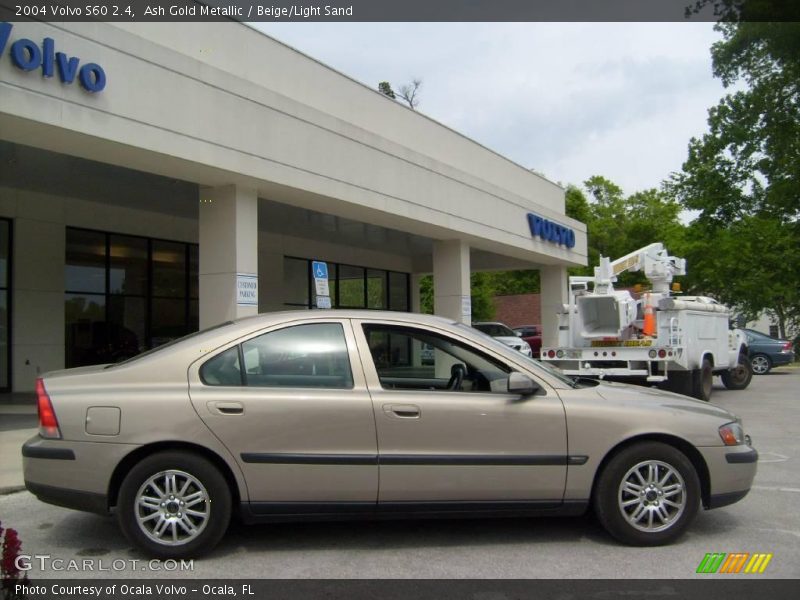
(731, 472)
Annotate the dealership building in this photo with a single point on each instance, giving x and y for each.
(156, 178)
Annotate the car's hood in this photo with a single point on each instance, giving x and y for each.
(624, 393)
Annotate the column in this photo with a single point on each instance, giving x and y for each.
(451, 287)
(553, 281)
(37, 309)
(228, 254)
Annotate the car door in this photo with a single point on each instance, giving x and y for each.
(297, 418)
(476, 443)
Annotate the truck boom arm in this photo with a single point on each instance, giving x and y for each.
(658, 266)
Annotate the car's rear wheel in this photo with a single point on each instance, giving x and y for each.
(647, 495)
(174, 505)
(740, 376)
(761, 364)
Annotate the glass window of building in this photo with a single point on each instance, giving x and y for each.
(376, 289)
(126, 294)
(398, 291)
(350, 286)
(296, 281)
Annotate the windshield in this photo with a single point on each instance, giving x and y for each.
(494, 329)
(533, 364)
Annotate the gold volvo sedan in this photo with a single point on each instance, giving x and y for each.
(344, 414)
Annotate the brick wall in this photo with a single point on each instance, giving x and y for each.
(517, 310)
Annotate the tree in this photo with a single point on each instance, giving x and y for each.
(617, 225)
(408, 92)
(743, 176)
(385, 88)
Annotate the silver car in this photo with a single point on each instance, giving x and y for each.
(503, 333)
(295, 415)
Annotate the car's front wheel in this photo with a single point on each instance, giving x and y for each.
(174, 505)
(647, 494)
(761, 364)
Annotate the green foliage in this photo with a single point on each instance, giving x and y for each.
(743, 176)
(617, 225)
(385, 88)
(482, 293)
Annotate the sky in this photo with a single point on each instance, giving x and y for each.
(570, 100)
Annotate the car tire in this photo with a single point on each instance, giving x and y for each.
(761, 364)
(740, 376)
(703, 381)
(654, 507)
(174, 504)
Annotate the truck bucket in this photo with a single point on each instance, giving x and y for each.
(606, 315)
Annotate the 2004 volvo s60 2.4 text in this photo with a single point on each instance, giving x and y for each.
(331, 414)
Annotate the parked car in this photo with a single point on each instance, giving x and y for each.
(532, 334)
(503, 333)
(766, 352)
(292, 415)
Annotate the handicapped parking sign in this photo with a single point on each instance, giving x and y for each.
(319, 269)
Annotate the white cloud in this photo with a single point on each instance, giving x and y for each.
(568, 99)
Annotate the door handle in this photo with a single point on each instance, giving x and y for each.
(227, 408)
(402, 411)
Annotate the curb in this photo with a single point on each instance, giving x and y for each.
(12, 489)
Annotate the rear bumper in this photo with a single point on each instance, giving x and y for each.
(781, 359)
(74, 499)
(70, 473)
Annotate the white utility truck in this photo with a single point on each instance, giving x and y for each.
(678, 343)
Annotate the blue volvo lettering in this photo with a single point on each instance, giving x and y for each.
(28, 56)
(550, 231)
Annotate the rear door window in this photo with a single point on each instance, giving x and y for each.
(305, 356)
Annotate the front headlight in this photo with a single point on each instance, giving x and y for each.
(525, 347)
(732, 434)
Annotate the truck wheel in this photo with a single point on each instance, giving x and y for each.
(647, 495)
(702, 381)
(761, 364)
(740, 376)
(174, 504)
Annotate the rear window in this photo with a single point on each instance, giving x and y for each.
(169, 344)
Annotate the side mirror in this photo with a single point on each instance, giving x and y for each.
(518, 333)
(521, 384)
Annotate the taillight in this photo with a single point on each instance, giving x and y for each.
(786, 347)
(551, 354)
(48, 424)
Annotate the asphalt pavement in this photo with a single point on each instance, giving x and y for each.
(767, 520)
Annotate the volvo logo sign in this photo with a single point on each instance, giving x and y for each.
(29, 56)
(550, 231)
